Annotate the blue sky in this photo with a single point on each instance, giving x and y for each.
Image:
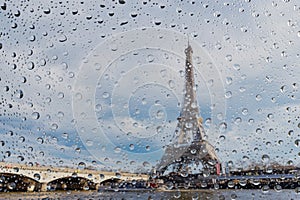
(110, 76)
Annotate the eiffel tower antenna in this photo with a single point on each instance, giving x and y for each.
(188, 145)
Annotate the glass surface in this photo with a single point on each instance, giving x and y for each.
(102, 97)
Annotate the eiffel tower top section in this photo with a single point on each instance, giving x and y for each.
(190, 99)
(188, 121)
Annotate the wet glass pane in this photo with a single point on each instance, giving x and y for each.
(149, 99)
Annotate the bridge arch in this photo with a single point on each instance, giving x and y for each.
(17, 182)
(71, 183)
(111, 180)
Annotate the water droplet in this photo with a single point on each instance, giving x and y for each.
(21, 158)
(117, 150)
(228, 94)
(270, 116)
(16, 169)
(150, 58)
(40, 140)
(222, 127)
(245, 111)
(62, 38)
(177, 194)
(35, 115)
(98, 107)
(47, 11)
(258, 131)
(60, 95)
(269, 59)
(19, 94)
(21, 139)
(118, 175)
(160, 114)
(6, 88)
(297, 143)
(146, 164)
(228, 58)
(30, 65)
(265, 158)
(163, 73)
(131, 147)
(105, 95)
(11, 185)
(188, 125)
(237, 67)
(77, 150)
(102, 176)
(54, 126)
(171, 84)
(283, 88)
(81, 165)
(159, 129)
(265, 189)
(228, 80)
(37, 176)
(237, 120)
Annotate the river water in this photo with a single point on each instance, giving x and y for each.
(147, 195)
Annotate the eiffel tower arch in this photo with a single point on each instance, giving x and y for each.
(188, 145)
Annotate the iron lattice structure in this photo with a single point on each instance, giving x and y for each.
(188, 145)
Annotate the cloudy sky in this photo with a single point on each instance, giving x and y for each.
(101, 82)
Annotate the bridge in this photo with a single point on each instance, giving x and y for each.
(43, 178)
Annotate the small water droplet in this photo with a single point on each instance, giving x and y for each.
(35, 115)
(265, 158)
(150, 58)
(131, 147)
(47, 11)
(62, 38)
(81, 165)
(222, 127)
(40, 140)
(37, 176)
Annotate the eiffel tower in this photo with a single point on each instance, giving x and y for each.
(188, 145)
